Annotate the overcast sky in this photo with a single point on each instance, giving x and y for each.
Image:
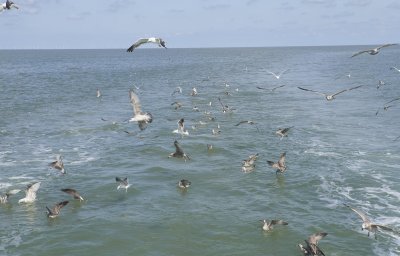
(199, 23)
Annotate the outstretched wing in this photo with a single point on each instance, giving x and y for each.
(305, 89)
(281, 161)
(137, 108)
(361, 214)
(137, 44)
(178, 149)
(358, 53)
(273, 89)
(56, 209)
(385, 45)
(352, 88)
(31, 191)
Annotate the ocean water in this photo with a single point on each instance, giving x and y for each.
(337, 152)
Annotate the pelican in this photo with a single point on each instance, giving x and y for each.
(283, 131)
(280, 165)
(30, 193)
(184, 183)
(372, 51)
(367, 224)
(138, 116)
(159, 41)
(179, 152)
(269, 225)
(277, 76)
(55, 211)
(330, 97)
(181, 128)
(123, 183)
(58, 164)
(311, 248)
(73, 193)
(8, 5)
(4, 198)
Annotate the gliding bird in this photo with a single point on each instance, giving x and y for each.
(330, 97)
(138, 116)
(159, 41)
(372, 51)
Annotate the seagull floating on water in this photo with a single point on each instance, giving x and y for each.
(380, 83)
(179, 152)
(8, 5)
(55, 211)
(4, 198)
(138, 116)
(269, 225)
(278, 76)
(184, 183)
(193, 92)
(248, 164)
(367, 224)
(73, 193)
(372, 51)
(122, 183)
(181, 128)
(280, 165)
(311, 248)
(30, 193)
(58, 164)
(330, 97)
(159, 41)
(283, 131)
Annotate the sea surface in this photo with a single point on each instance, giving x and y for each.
(337, 151)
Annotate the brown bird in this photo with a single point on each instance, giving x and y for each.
(55, 211)
(58, 164)
(73, 193)
(280, 165)
(179, 152)
(311, 248)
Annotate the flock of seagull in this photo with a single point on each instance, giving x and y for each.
(143, 119)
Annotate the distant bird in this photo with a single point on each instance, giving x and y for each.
(179, 152)
(209, 147)
(394, 68)
(278, 76)
(215, 132)
(30, 193)
(4, 198)
(184, 183)
(282, 132)
(196, 109)
(58, 164)
(280, 165)
(390, 101)
(159, 41)
(177, 90)
(245, 122)
(73, 193)
(367, 224)
(8, 5)
(270, 89)
(98, 93)
(330, 97)
(193, 92)
(269, 225)
(380, 83)
(55, 211)
(248, 164)
(177, 105)
(311, 248)
(122, 183)
(181, 128)
(138, 116)
(225, 108)
(372, 51)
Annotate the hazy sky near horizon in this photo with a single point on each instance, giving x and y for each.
(68, 24)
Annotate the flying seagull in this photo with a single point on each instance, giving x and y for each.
(8, 5)
(4, 198)
(283, 131)
(184, 183)
(394, 68)
(179, 152)
(372, 51)
(280, 165)
(311, 248)
(330, 97)
(367, 224)
(271, 89)
(159, 41)
(177, 105)
(225, 108)
(55, 211)
(245, 122)
(277, 76)
(269, 225)
(30, 193)
(58, 164)
(73, 193)
(181, 128)
(138, 116)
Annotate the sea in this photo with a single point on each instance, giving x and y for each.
(340, 152)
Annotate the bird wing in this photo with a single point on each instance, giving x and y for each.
(273, 89)
(137, 108)
(120, 180)
(390, 101)
(69, 191)
(385, 45)
(178, 148)
(360, 52)
(137, 44)
(281, 161)
(31, 191)
(361, 214)
(271, 163)
(284, 71)
(285, 130)
(352, 88)
(261, 88)
(305, 89)
(314, 238)
(383, 227)
(272, 73)
(241, 122)
(142, 125)
(56, 209)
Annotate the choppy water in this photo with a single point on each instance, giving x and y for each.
(338, 152)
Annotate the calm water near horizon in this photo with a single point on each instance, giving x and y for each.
(337, 152)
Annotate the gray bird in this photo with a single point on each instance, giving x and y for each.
(329, 97)
(55, 211)
(311, 248)
(123, 183)
(4, 198)
(58, 164)
(179, 152)
(282, 132)
(372, 51)
(184, 183)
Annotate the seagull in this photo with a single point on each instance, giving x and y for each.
(73, 193)
(245, 122)
(311, 248)
(58, 164)
(277, 76)
(372, 51)
(138, 116)
(30, 193)
(4, 198)
(177, 90)
(8, 5)
(394, 68)
(367, 224)
(177, 105)
(209, 147)
(280, 165)
(271, 89)
(380, 83)
(248, 164)
(55, 211)
(123, 183)
(283, 131)
(194, 92)
(184, 183)
(98, 93)
(141, 41)
(225, 108)
(181, 128)
(269, 225)
(179, 152)
(330, 97)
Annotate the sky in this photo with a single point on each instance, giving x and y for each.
(100, 24)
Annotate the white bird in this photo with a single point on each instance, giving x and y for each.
(30, 193)
(194, 92)
(277, 76)
(138, 116)
(330, 97)
(8, 5)
(177, 90)
(394, 68)
(159, 41)
(269, 225)
(181, 128)
(55, 211)
(372, 51)
(123, 183)
(98, 93)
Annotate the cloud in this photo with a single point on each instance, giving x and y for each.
(176, 11)
(216, 7)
